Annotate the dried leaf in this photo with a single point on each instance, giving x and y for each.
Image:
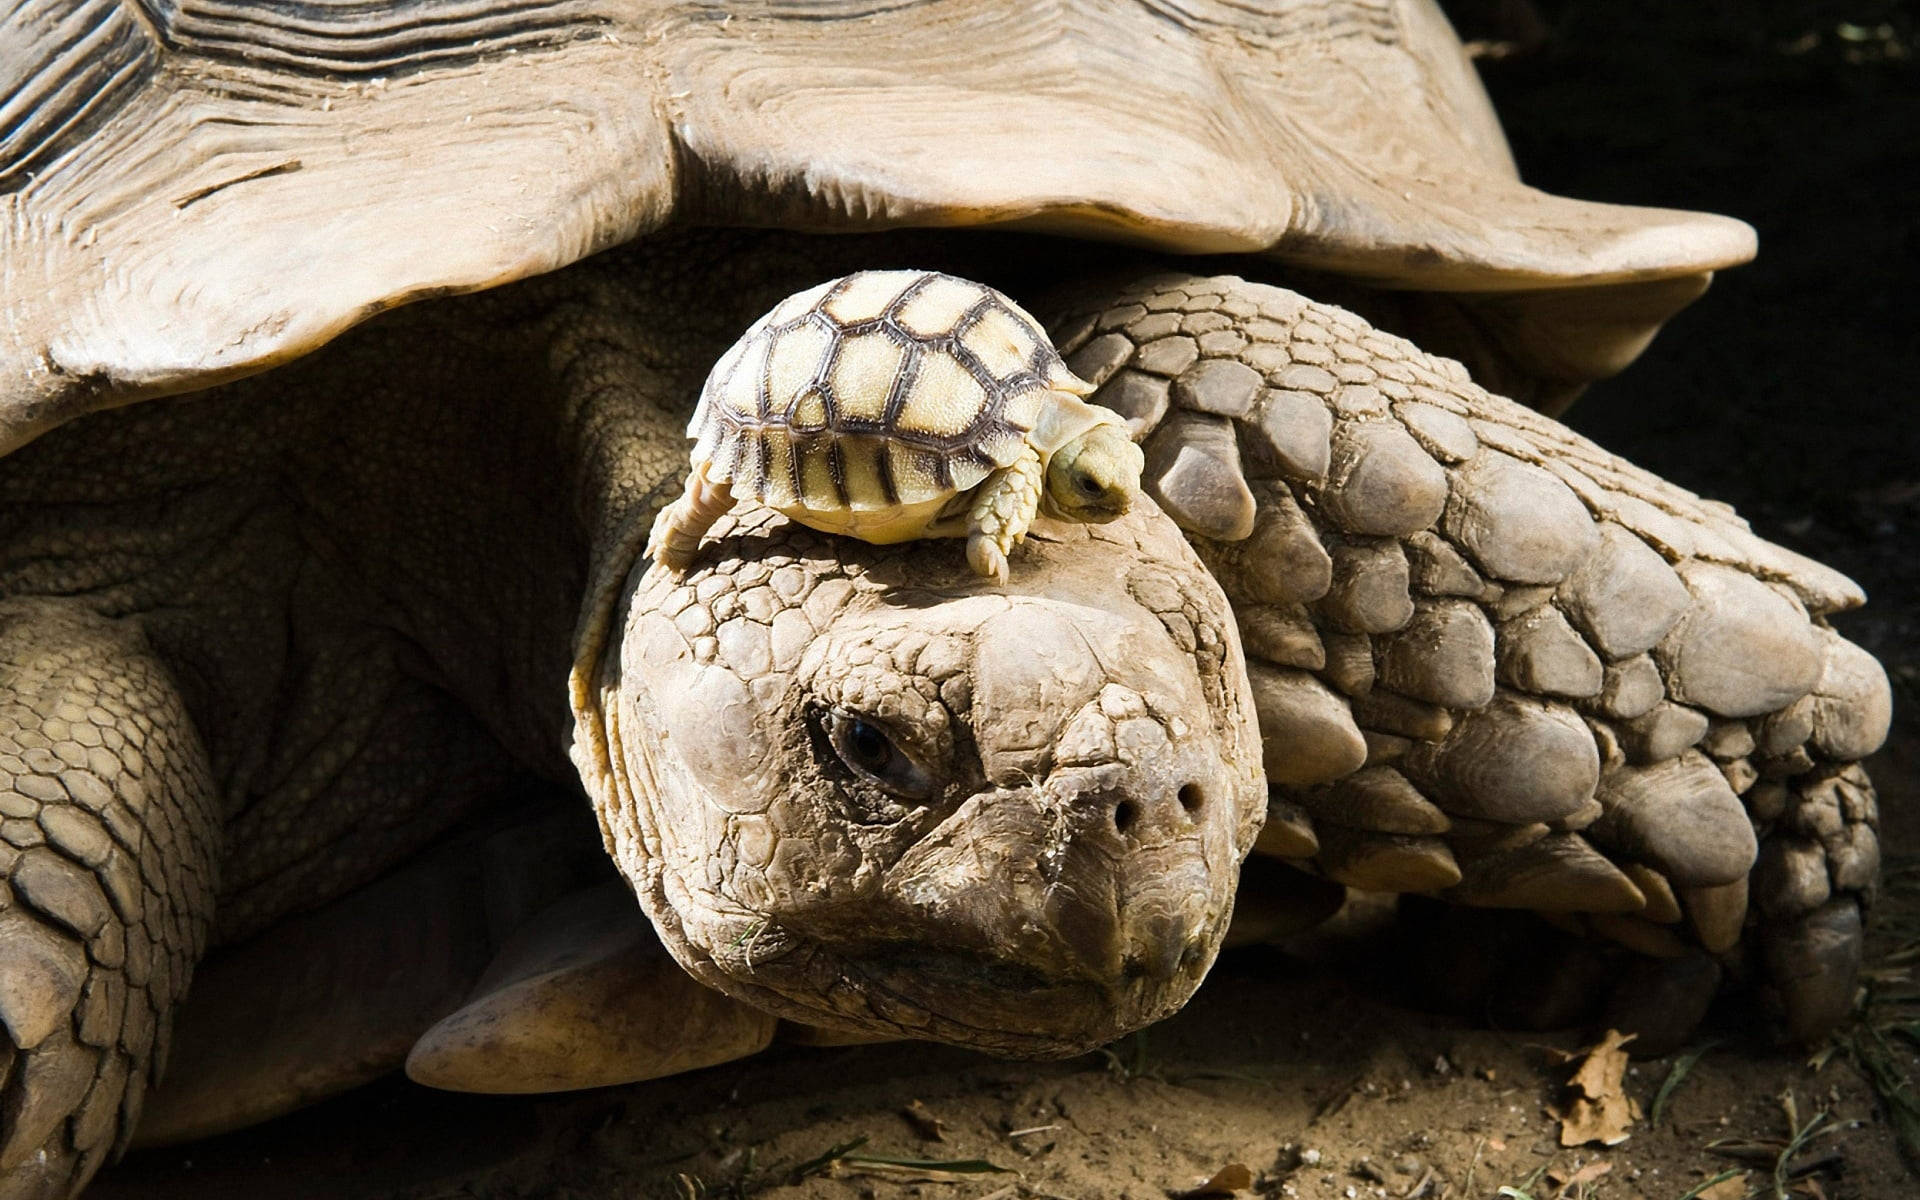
(1681, 1067)
(924, 1123)
(1599, 1109)
(1232, 1178)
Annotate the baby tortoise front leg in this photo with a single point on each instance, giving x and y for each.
(677, 531)
(108, 832)
(1003, 508)
(1496, 663)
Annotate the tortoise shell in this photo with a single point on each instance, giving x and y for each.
(201, 189)
(878, 390)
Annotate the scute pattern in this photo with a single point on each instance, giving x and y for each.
(886, 387)
(1579, 688)
(98, 54)
(352, 37)
(102, 57)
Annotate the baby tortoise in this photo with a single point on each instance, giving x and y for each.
(894, 405)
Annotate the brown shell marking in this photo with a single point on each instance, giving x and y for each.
(878, 389)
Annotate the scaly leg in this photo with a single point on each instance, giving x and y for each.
(1496, 664)
(108, 838)
(1002, 510)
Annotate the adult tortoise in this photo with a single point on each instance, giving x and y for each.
(287, 661)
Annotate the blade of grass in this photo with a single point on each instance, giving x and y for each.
(1782, 1166)
(1675, 1075)
(1872, 1051)
(951, 1166)
(820, 1162)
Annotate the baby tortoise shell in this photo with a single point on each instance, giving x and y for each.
(892, 405)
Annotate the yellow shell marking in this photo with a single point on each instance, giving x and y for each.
(1000, 344)
(935, 310)
(1023, 411)
(795, 358)
(864, 297)
(863, 375)
(944, 399)
(915, 473)
(817, 490)
(777, 488)
(860, 467)
(809, 411)
(740, 389)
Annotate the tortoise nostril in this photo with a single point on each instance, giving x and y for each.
(1192, 798)
(1124, 815)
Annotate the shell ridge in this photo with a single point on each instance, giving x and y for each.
(883, 468)
(837, 471)
(903, 380)
(763, 464)
(892, 311)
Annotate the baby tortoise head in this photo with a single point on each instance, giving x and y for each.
(1094, 477)
(860, 787)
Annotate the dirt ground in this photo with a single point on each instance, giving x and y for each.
(1786, 390)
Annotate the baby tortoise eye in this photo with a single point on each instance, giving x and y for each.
(871, 753)
(1089, 486)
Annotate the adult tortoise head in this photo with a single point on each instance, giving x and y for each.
(861, 787)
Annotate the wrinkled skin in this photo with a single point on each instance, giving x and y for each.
(860, 787)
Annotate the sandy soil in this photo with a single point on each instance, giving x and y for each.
(1786, 390)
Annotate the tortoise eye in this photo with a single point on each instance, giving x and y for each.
(870, 753)
(1089, 486)
(867, 747)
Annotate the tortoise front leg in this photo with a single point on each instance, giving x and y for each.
(1497, 664)
(108, 838)
(1002, 509)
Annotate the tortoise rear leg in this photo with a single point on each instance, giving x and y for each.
(1819, 863)
(677, 531)
(1002, 510)
(108, 837)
